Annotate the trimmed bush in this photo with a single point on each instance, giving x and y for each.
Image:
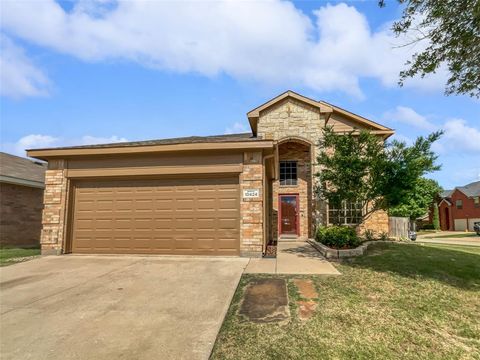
(337, 237)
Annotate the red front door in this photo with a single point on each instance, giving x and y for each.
(288, 214)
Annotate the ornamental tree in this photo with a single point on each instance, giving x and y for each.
(418, 201)
(450, 30)
(360, 167)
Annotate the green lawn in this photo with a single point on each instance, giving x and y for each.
(400, 301)
(10, 255)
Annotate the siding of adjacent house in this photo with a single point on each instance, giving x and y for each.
(468, 214)
(20, 214)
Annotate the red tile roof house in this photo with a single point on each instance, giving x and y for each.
(459, 208)
(21, 200)
(213, 195)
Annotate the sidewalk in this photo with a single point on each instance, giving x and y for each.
(451, 238)
(470, 241)
(293, 257)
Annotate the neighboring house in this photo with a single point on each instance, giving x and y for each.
(460, 208)
(212, 195)
(21, 200)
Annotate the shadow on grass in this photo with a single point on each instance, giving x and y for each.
(453, 265)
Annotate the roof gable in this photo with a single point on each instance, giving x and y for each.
(323, 107)
(470, 190)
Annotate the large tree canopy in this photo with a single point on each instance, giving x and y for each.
(360, 167)
(417, 202)
(451, 29)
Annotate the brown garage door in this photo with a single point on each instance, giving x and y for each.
(169, 216)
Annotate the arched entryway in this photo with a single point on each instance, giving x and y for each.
(291, 198)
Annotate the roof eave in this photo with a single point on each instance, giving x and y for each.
(22, 182)
(45, 154)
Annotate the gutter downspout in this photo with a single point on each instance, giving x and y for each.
(265, 200)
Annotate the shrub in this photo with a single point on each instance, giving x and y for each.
(428, 227)
(369, 235)
(384, 236)
(338, 237)
(436, 218)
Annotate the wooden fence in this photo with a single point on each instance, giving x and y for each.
(398, 227)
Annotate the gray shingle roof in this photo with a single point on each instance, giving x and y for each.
(17, 168)
(471, 190)
(171, 141)
(446, 193)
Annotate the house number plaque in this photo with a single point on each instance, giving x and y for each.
(251, 193)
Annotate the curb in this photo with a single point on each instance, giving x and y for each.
(330, 253)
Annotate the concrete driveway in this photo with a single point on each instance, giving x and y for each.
(115, 307)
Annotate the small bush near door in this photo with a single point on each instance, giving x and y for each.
(337, 237)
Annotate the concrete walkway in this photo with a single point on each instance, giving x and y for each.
(293, 258)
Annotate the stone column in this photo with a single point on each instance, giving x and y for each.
(53, 218)
(251, 209)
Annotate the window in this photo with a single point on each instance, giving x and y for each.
(459, 204)
(288, 173)
(345, 213)
(476, 201)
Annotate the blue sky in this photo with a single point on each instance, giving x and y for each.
(100, 71)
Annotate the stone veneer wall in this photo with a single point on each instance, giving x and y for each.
(293, 118)
(376, 222)
(53, 218)
(300, 153)
(251, 210)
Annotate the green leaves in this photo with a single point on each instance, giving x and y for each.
(418, 201)
(451, 29)
(361, 167)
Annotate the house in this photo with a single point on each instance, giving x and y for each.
(459, 208)
(21, 200)
(212, 195)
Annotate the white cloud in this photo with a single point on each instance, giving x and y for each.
(269, 42)
(38, 141)
(402, 138)
(459, 137)
(406, 115)
(19, 77)
(92, 140)
(237, 128)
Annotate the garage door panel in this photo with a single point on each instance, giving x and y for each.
(169, 216)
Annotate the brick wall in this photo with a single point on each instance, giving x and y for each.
(251, 227)
(20, 214)
(54, 212)
(445, 216)
(468, 211)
